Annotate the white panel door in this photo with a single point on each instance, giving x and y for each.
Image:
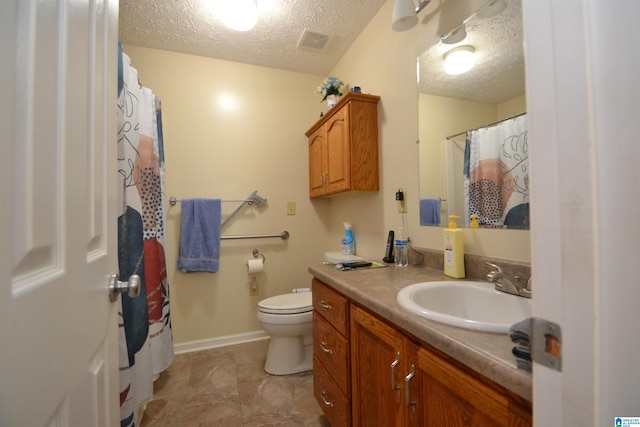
(582, 98)
(58, 241)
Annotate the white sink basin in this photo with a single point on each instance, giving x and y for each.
(466, 304)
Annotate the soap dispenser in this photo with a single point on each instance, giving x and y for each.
(453, 249)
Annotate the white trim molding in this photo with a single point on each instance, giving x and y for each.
(188, 347)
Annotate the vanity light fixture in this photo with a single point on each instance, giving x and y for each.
(455, 36)
(240, 15)
(491, 9)
(405, 14)
(458, 60)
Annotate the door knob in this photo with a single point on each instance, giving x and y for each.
(116, 287)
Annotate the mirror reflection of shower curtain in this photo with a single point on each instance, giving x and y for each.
(146, 342)
(454, 195)
(497, 175)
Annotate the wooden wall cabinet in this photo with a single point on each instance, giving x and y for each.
(343, 147)
(392, 379)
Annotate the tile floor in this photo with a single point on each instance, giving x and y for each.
(229, 387)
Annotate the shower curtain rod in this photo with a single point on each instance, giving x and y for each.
(488, 124)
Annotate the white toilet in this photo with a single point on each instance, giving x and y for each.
(287, 319)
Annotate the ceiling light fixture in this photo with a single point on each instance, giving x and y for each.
(240, 15)
(458, 60)
(405, 14)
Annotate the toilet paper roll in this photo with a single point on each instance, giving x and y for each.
(255, 266)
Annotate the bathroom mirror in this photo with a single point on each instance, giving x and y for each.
(479, 99)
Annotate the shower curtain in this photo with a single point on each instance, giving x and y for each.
(496, 174)
(146, 343)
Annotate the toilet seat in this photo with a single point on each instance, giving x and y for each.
(293, 303)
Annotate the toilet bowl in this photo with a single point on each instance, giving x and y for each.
(287, 319)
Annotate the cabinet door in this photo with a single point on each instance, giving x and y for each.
(377, 371)
(454, 398)
(338, 153)
(317, 168)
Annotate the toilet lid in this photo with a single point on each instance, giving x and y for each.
(287, 303)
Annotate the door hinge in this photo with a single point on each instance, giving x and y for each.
(546, 343)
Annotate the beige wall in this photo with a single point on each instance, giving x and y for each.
(260, 145)
(228, 153)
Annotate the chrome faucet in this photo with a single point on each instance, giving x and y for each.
(503, 284)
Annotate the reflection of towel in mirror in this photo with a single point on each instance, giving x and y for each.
(519, 334)
(429, 211)
(199, 235)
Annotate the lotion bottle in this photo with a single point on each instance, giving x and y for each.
(453, 249)
(348, 242)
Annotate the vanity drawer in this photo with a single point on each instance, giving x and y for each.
(334, 403)
(332, 306)
(332, 350)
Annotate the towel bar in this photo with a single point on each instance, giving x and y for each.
(284, 236)
(253, 198)
(173, 201)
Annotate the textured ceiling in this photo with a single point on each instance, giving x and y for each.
(498, 73)
(192, 26)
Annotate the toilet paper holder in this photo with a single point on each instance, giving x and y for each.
(257, 253)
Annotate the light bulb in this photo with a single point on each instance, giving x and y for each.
(240, 15)
(458, 60)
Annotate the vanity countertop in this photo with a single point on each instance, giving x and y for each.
(376, 289)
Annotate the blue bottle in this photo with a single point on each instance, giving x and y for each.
(348, 242)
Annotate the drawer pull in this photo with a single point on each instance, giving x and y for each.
(323, 346)
(325, 305)
(393, 373)
(406, 388)
(324, 399)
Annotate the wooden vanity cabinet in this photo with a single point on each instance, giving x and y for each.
(331, 354)
(343, 147)
(454, 397)
(381, 358)
(392, 379)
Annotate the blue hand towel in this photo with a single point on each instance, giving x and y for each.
(429, 211)
(200, 235)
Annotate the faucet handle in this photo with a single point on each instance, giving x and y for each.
(498, 269)
(526, 292)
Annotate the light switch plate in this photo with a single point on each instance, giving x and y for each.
(291, 208)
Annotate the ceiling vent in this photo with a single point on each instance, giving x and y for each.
(313, 41)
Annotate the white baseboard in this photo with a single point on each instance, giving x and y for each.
(187, 347)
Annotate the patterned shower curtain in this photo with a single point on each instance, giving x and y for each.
(497, 175)
(146, 343)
